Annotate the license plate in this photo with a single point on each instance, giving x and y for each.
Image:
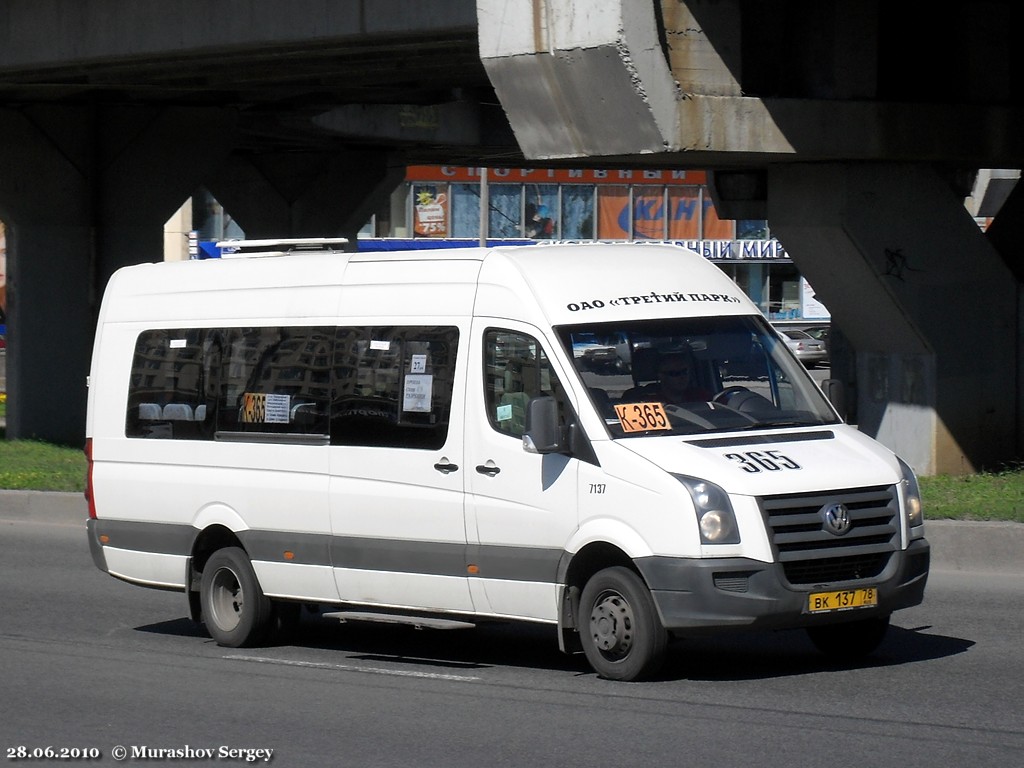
(843, 600)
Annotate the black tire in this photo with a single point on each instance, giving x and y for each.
(235, 610)
(621, 633)
(850, 641)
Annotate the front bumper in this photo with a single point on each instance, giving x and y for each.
(693, 596)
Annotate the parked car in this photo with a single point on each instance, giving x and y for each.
(808, 350)
(821, 333)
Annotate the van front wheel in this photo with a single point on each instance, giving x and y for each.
(235, 610)
(621, 633)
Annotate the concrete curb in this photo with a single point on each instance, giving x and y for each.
(989, 547)
(43, 506)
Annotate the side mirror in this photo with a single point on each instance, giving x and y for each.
(543, 433)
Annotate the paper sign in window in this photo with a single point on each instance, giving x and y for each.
(416, 397)
(262, 408)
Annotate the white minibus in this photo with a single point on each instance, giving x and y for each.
(608, 439)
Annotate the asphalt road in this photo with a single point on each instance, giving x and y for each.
(92, 663)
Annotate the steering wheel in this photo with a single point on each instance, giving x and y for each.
(727, 393)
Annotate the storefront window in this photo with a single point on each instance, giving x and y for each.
(751, 229)
(649, 213)
(613, 213)
(685, 214)
(465, 207)
(540, 220)
(783, 292)
(504, 210)
(578, 211)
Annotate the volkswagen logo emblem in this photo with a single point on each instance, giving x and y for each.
(836, 518)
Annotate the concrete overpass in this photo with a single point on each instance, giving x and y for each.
(856, 130)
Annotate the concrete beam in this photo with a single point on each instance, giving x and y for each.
(44, 34)
(454, 123)
(585, 81)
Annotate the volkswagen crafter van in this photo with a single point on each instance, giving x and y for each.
(482, 434)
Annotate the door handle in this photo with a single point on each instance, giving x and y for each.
(445, 467)
(487, 469)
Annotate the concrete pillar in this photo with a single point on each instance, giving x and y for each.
(925, 302)
(45, 203)
(1006, 235)
(288, 195)
(83, 192)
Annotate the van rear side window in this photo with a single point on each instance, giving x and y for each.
(351, 386)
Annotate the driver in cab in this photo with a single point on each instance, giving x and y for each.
(677, 382)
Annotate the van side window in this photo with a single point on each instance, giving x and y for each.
(276, 380)
(166, 384)
(517, 368)
(205, 383)
(393, 386)
(373, 386)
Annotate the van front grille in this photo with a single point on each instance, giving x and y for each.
(812, 554)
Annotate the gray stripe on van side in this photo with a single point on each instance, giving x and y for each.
(446, 559)
(427, 557)
(515, 563)
(372, 554)
(161, 538)
(305, 548)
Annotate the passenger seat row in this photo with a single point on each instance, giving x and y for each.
(171, 412)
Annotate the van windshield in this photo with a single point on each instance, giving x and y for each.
(693, 375)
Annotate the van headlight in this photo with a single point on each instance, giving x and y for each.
(715, 518)
(911, 496)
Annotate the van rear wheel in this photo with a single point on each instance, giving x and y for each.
(235, 610)
(621, 633)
